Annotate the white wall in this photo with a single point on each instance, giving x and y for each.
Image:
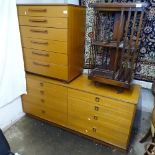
(10, 113)
(47, 1)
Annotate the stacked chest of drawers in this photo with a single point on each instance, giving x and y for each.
(53, 39)
(53, 42)
(97, 112)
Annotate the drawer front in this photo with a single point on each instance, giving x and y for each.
(44, 33)
(80, 108)
(34, 84)
(80, 125)
(84, 96)
(34, 109)
(34, 99)
(56, 117)
(113, 137)
(35, 93)
(47, 45)
(47, 69)
(43, 22)
(56, 97)
(45, 56)
(49, 11)
(79, 116)
(53, 89)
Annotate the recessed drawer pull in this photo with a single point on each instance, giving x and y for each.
(42, 92)
(43, 111)
(97, 99)
(42, 100)
(96, 108)
(41, 84)
(37, 10)
(39, 31)
(38, 20)
(41, 43)
(94, 129)
(38, 64)
(95, 117)
(40, 54)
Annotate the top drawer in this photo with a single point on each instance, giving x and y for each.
(85, 96)
(49, 11)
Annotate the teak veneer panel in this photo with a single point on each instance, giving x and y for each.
(44, 10)
(44, 22)
(53, 28)
(45, 45)
(104, 114)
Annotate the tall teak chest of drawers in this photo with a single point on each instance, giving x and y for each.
(53, 39)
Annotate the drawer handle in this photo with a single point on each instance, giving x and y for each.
(97, 108)
(95, 118)
(38, 20)
(94, 129)
(97, 99)
(41, 84)
(40, 54)
(39, 31)
(43, 65)
(41, 43)
(37, 10)
(42, 92)
(42, 100)
(43, 111)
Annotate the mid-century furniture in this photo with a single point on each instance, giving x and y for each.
(97, 112)
(53, 39)
(115, 42)
(53, 42)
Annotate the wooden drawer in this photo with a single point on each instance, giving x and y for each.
(45, 56)
(35, 92)
(47, 45)
(56, 97)
(47, 69)
(34, 99)
(49, 11)
(80, 108)
(56, 117)
(34, 109)
(53, 89)
(80, 125)
(110, 136)
(43, 22)
(80, 116)
(33, 84)
(44, 33)
(85, 96)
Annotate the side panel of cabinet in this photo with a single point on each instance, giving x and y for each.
(76, 38)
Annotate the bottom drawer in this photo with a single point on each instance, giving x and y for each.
(80, 125)
(56, 117)
(34, 110)
(47, 69)
(114, 138)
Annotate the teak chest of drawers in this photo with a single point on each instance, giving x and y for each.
(97, 112)
(53, 39)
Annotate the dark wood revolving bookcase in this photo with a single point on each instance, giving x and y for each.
(115, 42)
